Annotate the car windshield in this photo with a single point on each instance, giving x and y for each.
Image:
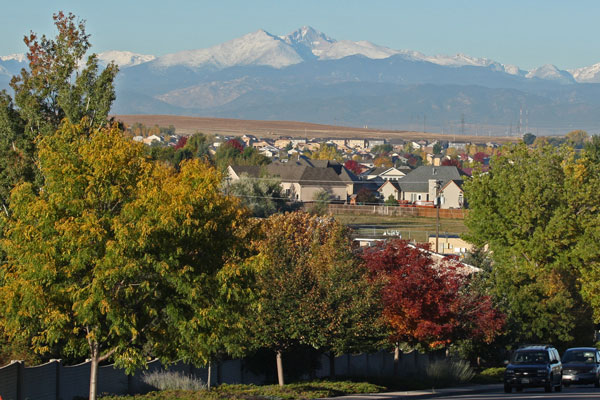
(579, 356)
(530, 357)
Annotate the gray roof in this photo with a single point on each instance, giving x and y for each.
(302, 174)
(418, 179)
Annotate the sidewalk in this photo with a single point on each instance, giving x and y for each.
(425, 394)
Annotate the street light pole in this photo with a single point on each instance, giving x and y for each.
(438, 186)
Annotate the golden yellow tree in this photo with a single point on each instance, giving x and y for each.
(116, 254)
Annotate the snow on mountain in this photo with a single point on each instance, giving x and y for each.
(124, 59)
(308, 40)
(345, 48)
(257, 48)
(307, 43)
(550, 72)
(589, 74)
(18, 57)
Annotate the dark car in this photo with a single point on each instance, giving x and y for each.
(534, 366)
(581, 365)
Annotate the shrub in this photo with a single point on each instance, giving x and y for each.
(444, 372)
(490, 375)
(171, 380)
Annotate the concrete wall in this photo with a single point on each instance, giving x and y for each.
(53, 381)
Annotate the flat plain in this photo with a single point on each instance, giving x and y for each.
(276, 129)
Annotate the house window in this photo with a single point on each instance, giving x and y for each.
(418, 197)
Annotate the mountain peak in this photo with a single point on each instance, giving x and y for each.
(552, 73)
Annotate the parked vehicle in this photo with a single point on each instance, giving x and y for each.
(581, 365)
(534, 366)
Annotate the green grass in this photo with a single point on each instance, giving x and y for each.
(305, 390)
(411, 228)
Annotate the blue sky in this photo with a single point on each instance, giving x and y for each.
(528, 33)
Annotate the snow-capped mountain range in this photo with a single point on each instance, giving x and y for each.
(262, 48)
(309, 76)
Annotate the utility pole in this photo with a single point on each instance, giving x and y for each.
(437, 220)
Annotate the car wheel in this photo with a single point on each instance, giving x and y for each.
(597, 382)
(548, 387)
(558, 388)
(507, 388)
(519, 389)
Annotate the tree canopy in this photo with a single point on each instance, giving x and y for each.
(536, 211)
(115, 255)
(52, 88)
(311, 289)
(427, 304)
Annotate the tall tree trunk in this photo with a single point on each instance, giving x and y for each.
(209, 377)
(396, 359)
(94, 370)
(331, 364)
(279, 369)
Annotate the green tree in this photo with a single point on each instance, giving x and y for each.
(529, 138)
(382, 149)
(437, 148)
(322, 198)
(52, 88)
(311, 290)
(534, 215)
(577, 138)
(327, 152)
(116, 256)
(199, 145)
(262, 196)
(391, 201)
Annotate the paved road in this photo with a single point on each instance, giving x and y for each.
(571, 393)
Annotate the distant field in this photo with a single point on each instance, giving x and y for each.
(275, 129)
(415, 228)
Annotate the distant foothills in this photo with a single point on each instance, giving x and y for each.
(308, 76)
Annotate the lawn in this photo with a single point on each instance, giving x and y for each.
(411, 228)
(305, 390)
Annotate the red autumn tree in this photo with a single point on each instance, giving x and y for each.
(235, 144)
(480, 157)
(353, 166)
(451, 163)
(427, 303)
(181, 142)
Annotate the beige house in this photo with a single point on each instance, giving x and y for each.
(301, 180)
(353, 143)
(450, 244)
(452, 195)
(389, 188)
(420, 186)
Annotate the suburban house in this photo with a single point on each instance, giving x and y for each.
(389, 188)
(450, 244)
(387, 173)
(302, 179)
(419, 186)
(452, 195)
